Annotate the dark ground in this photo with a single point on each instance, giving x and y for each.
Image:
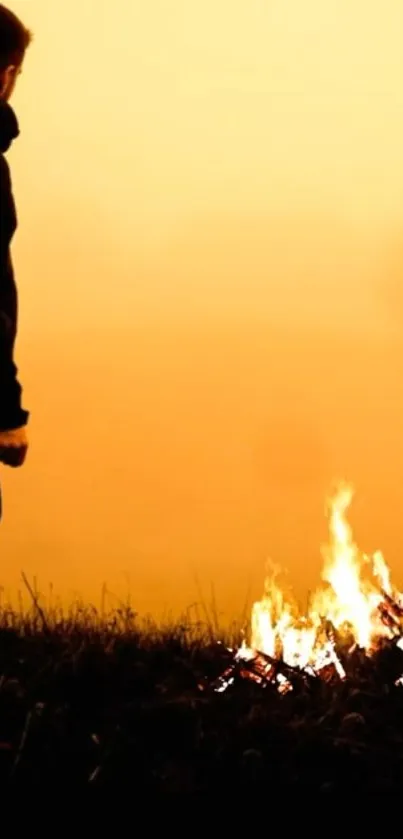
(84, 705)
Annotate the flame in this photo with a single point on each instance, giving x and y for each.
(349, 603)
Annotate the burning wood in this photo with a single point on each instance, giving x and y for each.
(357, 609)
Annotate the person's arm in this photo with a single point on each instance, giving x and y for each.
(12, 414)
(13, 417)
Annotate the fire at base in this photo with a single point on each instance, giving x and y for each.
(356, 603)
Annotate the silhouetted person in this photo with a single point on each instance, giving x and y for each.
(14, 40)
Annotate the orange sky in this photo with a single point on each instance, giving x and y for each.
(209, 261)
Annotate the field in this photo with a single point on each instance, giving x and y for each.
(112, 703)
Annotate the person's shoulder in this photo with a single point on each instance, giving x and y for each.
(5, 178)
(4, 164)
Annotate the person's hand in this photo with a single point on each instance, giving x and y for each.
(13, 446)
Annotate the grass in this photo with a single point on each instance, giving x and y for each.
(101, 699)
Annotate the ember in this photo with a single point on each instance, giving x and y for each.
(357, 609)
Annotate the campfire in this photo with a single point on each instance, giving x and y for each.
(355, 615)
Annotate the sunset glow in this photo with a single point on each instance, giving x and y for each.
(209, 260)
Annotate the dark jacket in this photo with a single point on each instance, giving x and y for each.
(11, 413)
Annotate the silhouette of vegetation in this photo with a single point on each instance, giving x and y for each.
(93, 698)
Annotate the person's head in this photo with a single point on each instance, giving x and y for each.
(14, 40)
